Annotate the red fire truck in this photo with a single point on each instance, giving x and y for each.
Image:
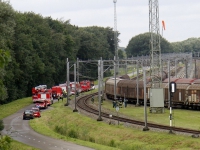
(41, 104)
(39, 88)
(57, 92)
(85, 85)
(42, 95)
(78, 87)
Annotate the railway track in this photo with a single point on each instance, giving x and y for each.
(83, 103)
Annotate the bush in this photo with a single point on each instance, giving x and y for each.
(5, 142)
(112, 143)
(73, 134)
(1, 125)
(91, 139)
(61, 130)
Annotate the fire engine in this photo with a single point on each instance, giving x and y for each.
(64, 88)
(78, 87)
(85, 85)
(39, 88)
(42, 96)
(57, 92)
(41, 103)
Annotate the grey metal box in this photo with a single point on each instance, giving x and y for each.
(157, 97)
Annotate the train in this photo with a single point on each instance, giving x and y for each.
(187, 94)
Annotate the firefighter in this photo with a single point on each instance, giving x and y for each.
(114, 104)
(120, 102)
(92, 99)
(125, 102)
(77, 93)
(63, 94)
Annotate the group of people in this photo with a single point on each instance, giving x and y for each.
(120, 103)
(116, 103)
(92, 99)
(64, 93)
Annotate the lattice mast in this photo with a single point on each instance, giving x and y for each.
(155, 51)
(115, 36)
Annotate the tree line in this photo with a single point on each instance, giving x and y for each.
(33, 50)
(140, 45)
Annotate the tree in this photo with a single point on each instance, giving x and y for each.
(7, 25)
(139, 45)
(121, 54)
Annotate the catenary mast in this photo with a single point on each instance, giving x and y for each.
(155, 50)
(156, 100)
(115, 36)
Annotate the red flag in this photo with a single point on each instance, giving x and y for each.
(163, 24)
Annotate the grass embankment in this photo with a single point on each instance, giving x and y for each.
(181, 117)
(62, 123)
(11, 108)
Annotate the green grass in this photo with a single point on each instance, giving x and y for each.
(15, 145)
(11, 108)
(62, 123)
(181, 118)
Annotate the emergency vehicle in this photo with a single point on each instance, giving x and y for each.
(39, 88)
(78, 87)
(41, 104)
(42, 96)
(85, 85)
(57, 92)
(64, 88)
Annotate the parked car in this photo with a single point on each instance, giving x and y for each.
(36, 112)
(28, 114)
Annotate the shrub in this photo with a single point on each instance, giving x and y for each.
(61, 130)
(91, 139)
(112, 143)
(1, 125)
(5, 142)
(72, 133)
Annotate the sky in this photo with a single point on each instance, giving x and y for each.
(181, 17)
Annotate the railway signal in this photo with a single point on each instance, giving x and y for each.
(172, 88)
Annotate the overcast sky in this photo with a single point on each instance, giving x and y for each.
(182, 17)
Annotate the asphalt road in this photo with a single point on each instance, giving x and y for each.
(20, 130)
